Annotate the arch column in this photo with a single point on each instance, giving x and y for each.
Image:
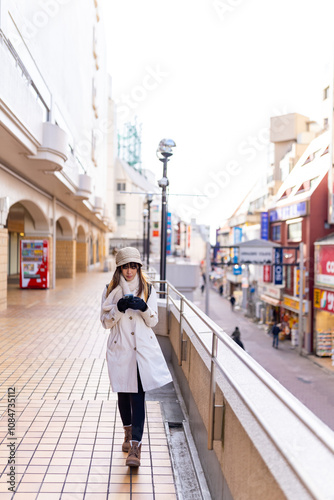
(3, 267)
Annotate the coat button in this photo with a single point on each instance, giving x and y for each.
(113, 319)
(151, 315)
(132, 333)
(115, 342)
(135, 348)
(130, 317)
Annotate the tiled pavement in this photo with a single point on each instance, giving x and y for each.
(67, 436)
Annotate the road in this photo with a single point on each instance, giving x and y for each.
(313, 385)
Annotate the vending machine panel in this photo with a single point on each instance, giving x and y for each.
(34, 268)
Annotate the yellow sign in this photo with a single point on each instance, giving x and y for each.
(316, 298)
(298, 281)
(292, 304)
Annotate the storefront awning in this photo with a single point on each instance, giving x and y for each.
(270, 300)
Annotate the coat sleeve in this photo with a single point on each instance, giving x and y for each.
(150, 316)
(110, 315)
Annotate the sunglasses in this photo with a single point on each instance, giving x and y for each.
(133, 265)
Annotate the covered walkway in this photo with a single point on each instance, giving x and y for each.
(68, 432)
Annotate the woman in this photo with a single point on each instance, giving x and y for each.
(135, 361)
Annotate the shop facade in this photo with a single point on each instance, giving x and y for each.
(323, 297)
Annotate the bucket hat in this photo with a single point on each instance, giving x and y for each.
(126, 255)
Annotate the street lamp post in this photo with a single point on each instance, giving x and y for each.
(145, 214)
(149, 201)
(164, 152)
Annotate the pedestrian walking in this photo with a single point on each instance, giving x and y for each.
(236, 336)
(134, 358)
(221, 290)
(232, 300)
(203, 282)
(275, 331)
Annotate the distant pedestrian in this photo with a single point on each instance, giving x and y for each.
(275, 331)
(236, 337)
(221, 290)
(232, 300)
(203, 282)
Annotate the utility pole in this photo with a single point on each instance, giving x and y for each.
(301, 297)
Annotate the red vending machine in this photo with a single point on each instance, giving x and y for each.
(34, 269)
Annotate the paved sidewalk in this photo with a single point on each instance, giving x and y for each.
(310, 379)
(68, 433)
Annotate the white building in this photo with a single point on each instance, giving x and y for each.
(54, 130)
(131, 187)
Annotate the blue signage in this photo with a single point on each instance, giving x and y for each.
(289, 212)
(237, 235)
(237, 269)
(264, 226)
(278, 256)
(278, 275)
(169, 234)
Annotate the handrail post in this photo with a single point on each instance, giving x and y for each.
(212, 396)
(181, 330)
(168, 309)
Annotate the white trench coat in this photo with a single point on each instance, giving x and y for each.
(132, 341)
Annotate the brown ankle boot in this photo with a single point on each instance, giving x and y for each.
(127, 438)
(133, 459)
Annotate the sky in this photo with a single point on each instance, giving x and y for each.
(209, 74)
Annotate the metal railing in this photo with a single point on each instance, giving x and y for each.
(24, 72)
(215, 412)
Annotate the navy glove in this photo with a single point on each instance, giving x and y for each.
(137, 304)
(123, 304)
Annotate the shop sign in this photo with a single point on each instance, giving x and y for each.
(293, 304)
(324, 273)
(278, 275)
(324, 299)
(297, 282)
(264, 226)
(237, 235)
(237, 269)
(255, 255)
(289, 212)
(272, 291)
(278, 255)
(267, 274)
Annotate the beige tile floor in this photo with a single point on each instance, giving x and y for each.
(68, 432)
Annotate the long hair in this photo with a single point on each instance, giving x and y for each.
(143, 281)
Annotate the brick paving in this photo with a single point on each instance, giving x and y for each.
(68, 432)
(310, 379)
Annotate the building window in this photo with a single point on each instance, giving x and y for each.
(295, 231)
(121, 186)
(120, 214)
(276, 232)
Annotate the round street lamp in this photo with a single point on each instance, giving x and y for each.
(164, 152)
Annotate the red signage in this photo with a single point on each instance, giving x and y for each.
(267, 274)
(324, 271)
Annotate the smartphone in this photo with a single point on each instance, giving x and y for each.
(128, 296)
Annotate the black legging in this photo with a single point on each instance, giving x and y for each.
(131, 407)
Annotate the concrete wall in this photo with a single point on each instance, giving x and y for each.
(65, 259)
(81, 257)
